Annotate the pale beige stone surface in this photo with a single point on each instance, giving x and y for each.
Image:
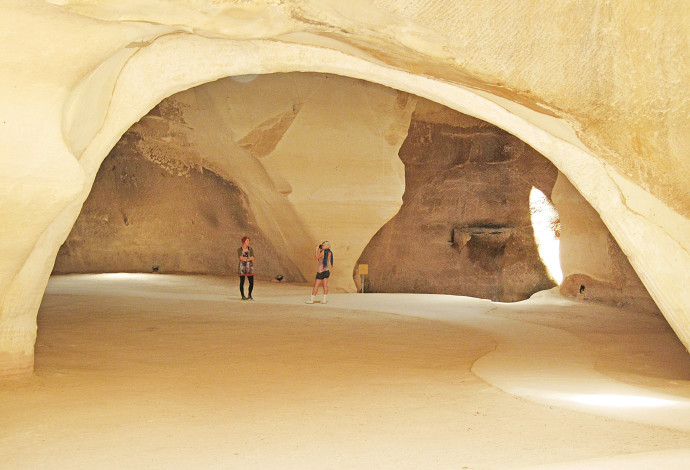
(340, 156)
(598, 88)
(174, 372)
(335, 156)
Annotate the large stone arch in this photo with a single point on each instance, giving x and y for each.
(126, 85)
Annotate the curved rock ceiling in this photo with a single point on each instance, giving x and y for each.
(577, 66)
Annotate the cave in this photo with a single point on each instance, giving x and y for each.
(176, 193)
(138, 143)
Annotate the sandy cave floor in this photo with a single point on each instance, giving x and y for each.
(175, 372)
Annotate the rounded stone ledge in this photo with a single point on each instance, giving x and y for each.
(583, 287)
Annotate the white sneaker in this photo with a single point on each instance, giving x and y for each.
(324, 301)
(309, 301)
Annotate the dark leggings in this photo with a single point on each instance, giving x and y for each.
(251, 285)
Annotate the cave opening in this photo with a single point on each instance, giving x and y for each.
(284, 157)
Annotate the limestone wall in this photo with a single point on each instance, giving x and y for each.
(165, 217)
(465, 225)
(594, 267)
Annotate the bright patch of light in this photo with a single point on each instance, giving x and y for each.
(545, 223)
(139, 277)
(622, 401)
(120, 275)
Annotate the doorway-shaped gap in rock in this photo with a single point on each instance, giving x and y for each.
(287, 159)
(546, 224)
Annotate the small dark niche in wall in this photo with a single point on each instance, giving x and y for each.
(486, 234)
(485, 244)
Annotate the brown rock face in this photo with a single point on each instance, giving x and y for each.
(464, 227)
(147, 212)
